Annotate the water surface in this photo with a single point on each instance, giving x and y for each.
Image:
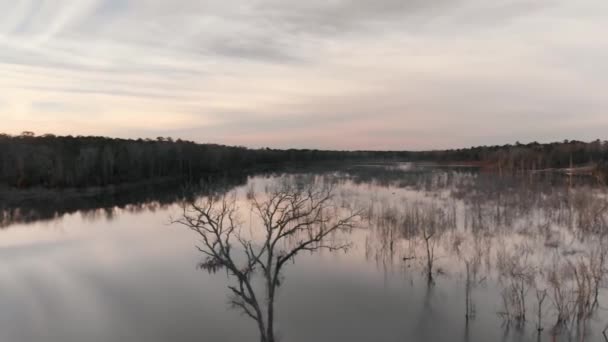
(124, 273)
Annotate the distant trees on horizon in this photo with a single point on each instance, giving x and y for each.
(51, 161)
(27, 160)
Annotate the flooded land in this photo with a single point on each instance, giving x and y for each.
(363, 252)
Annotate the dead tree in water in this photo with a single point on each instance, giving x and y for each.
(598, 269)
(541, 295)
(427, 235)
(517, 275)
(293, 220)
(428, 222)
(470, 253)
(561, 294)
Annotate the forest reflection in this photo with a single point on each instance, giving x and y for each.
(31, 206)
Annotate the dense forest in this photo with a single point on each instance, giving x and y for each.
(50, 161)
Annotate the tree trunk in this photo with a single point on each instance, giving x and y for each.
(270, 326)
(467, 292)
(429, 260)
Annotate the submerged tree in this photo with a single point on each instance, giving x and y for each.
(517, 275)
(428, 222)
(294, 219)
(470, 252)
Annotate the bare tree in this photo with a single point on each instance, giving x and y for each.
(541, 295)
(561, 293)
(428, 222)
(598, 269)
(517, 275)
(470, 252)
(294, 219)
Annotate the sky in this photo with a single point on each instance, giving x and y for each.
(328, 74)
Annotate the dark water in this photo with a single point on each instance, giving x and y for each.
(125, 273)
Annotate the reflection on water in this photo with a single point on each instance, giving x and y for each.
(493, 245)
(39, 205)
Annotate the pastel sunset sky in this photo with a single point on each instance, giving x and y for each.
(331, 74)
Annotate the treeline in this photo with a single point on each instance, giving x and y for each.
(532, 156)
(569, 156)
(50, 161)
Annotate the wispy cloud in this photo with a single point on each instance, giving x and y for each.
(326, 74)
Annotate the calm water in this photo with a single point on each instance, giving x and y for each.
(125, 273)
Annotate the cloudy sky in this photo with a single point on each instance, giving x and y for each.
(345, 74)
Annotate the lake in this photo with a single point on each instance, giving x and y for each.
(115, 268)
